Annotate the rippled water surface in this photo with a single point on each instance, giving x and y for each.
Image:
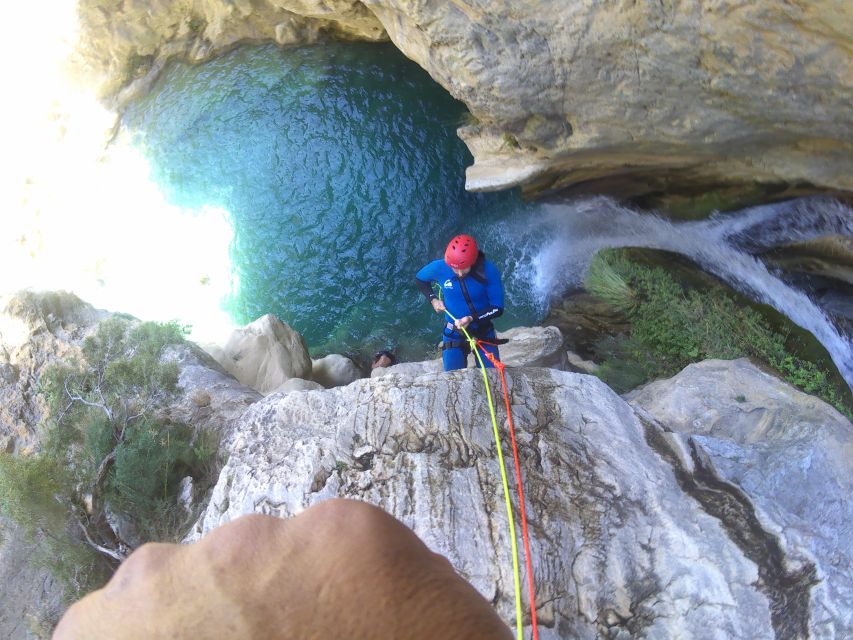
(342, 174)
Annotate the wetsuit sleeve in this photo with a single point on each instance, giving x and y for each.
(425, 288)
(424, 280)
(495, 294)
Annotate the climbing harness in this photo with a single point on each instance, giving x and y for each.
(473, 343)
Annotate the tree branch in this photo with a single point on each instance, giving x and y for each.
(112, 553)
(82, 400)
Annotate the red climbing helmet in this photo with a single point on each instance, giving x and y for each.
(461, 252)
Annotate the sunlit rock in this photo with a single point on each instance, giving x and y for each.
(628, 98)
(36, 329)
(265, 353)
(788, 458)
(298, 384)
(533, 347)
(618, 547)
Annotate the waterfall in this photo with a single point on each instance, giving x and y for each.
(720, 245)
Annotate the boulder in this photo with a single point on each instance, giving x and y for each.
(527, 347)
(265, 353)
(334, 371)
(208, 397)
(413, 369)
(533, 347)
(298, 384)
(621, 546)
(789, 456)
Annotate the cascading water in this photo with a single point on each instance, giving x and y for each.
(341, 174)
(581, 228)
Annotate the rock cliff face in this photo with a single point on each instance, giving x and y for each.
(616, 97)
(634, 533)
(782, 460)
(714, 504)
(35, 330)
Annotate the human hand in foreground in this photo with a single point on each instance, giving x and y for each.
(341, 569)
(461, 323)
(438, 305)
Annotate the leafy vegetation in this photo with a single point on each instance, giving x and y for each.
(672, 326)
(106, 456)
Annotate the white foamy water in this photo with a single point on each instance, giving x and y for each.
(579, 229)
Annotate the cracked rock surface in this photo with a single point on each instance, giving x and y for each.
(790, 457)
(619, 548)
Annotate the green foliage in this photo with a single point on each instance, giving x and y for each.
(102, 411)
(604, 279)
(672, 326)
(33, 493)
(28, 490)
(510, 141)
(149, 464)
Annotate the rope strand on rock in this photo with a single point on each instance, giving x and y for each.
(502, 466)
(500, 366)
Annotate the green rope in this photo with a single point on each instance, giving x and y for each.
(513, 544)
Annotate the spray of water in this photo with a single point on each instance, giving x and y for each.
(579, 229)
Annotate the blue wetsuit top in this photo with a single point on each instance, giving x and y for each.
(479, 293)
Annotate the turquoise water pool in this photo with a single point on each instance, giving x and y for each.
(342, 174)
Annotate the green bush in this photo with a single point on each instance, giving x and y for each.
(672, 326)
(104, 448)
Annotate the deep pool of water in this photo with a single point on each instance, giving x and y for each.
(342, 174)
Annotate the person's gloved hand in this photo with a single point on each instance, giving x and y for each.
(341, 569)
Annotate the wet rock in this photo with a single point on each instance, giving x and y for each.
(827, 256)
(584, 319)
(579, 365)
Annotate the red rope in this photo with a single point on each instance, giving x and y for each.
(500, 366)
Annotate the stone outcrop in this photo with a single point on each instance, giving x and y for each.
(35, 330)
(32, 599)
(716, 500)
(527, 347)
(770, 454)
(298, 384)
(265, 353)
(124, 45)
(614, 97)
(633, 532)
(334, 370)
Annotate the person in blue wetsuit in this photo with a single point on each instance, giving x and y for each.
(472, 292)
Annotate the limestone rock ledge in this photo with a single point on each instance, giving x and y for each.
(624, 98)
(621, 547)
(790, 456)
